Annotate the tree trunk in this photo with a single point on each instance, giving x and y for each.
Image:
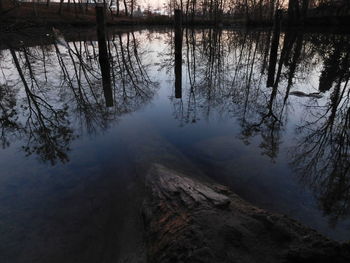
(126, 8)
(132, 3)
(246, 11)
(304, 9)
(193, 10)
(34, 8)
(272, 10)
(61, 7)
(75, 9)
(260, 11)
(86, 6)
(293, 12)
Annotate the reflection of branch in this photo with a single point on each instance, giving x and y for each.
(269, 127)
(131, 84)
(225, 82)
(48, 136)
(47, 127)
(322, 157)
(135, 82)
(8, 115)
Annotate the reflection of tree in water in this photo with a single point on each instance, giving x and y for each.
(46, 128)
(333, 63)
(322, 156)
(227, 76)
(273, 116)
(8, 115)
(62, 94)
(133, 86)
(221, 68)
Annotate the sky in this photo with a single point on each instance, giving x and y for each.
(153, 3)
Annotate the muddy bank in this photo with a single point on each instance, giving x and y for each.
(191, 220)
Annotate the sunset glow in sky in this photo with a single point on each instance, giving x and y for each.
(153, 3)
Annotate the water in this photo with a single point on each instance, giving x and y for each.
(70, 166)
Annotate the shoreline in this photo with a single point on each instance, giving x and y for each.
(21, 18)
(44, 34)
(188, 219)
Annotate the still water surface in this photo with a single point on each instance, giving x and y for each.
(274, 125)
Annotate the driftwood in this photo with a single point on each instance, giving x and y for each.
(194, 220)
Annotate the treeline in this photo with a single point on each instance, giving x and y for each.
(115, 7)
(294, 12)
(257, 11)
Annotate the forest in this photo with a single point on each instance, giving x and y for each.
(204, 12)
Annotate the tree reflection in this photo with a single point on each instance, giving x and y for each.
(227, 72)
(322, 156)
(46, 128)
(53, 94)
(221, 68)
(333, 64)
(8, 115)
(59, 90)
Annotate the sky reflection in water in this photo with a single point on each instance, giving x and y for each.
(283, 145)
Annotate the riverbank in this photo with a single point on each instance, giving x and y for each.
(20, 23)
(187, 216)
(190, 220)
(24, 15)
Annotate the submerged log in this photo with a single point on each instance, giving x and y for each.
(194, 220)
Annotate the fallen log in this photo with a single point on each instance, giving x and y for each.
(195, 220)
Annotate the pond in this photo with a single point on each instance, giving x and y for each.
(270, 118)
